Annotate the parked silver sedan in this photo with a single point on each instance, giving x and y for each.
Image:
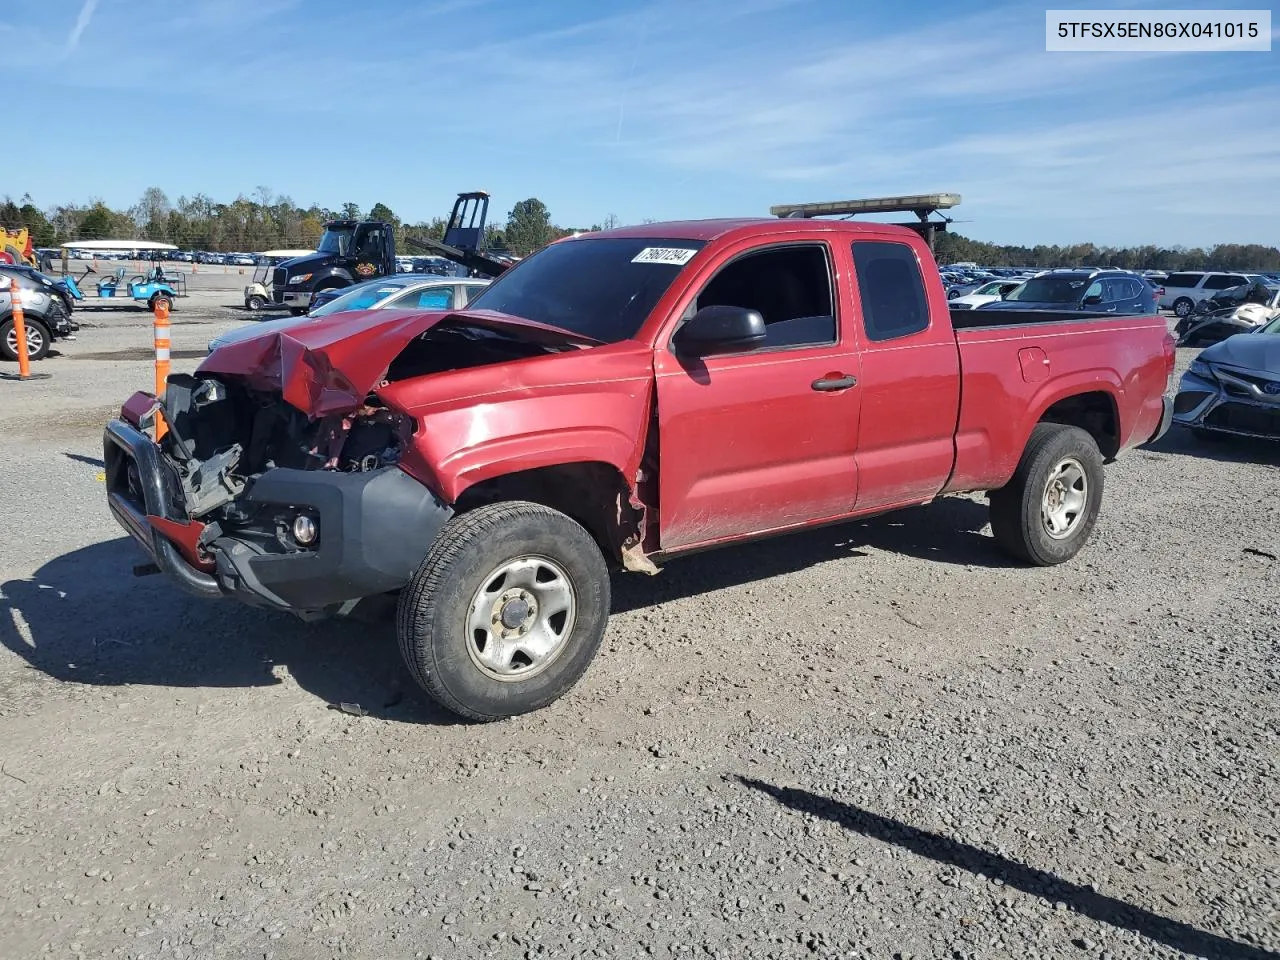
(403, 291)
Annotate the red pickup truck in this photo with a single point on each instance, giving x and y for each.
(616, 400)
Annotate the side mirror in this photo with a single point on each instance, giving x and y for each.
(1093, 301)
(720, 329)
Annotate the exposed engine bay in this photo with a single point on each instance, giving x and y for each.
(222, 432)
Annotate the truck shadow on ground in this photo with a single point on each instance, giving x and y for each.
(1226, 449)
(948, 530)
(1082, 900)
(84, 618)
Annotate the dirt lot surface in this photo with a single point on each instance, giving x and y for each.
(876, 740)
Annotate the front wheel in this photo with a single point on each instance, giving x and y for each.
(1044, 515)
(157, 299)
(38, 339)
(256, 302)
(506, 612)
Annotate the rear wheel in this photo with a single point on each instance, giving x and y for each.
(38, 339)
(1183, 306)
(506, 612)
(1045, 514)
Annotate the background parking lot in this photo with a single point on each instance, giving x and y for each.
(874, 739)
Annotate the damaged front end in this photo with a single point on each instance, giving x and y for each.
(245, 495)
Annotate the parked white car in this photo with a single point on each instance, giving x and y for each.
(990, 291)
(1182, 291)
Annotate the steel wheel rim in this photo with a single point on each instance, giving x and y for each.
(520, 619)
(1066, 495)
(35, 340)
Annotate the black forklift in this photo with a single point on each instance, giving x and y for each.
(352, 251)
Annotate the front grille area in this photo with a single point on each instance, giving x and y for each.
(279, 277)
(1247, 419)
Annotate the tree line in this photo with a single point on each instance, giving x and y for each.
(267, 221)
(262, 221)
(954, 248)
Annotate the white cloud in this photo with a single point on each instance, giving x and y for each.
(81, 25)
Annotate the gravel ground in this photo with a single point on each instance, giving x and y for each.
(877, 740)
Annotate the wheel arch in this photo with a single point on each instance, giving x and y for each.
(1094, 411)
(593, 493)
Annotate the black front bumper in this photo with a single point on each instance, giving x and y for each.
(375, 529)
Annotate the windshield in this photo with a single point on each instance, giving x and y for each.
(1272, 327)
(991, 289)
(602, 288)
(360, 297)
(336, 240)
(1051, 289)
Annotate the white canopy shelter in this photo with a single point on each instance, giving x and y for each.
(118, 245)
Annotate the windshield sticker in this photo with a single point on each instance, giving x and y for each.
(676, 255)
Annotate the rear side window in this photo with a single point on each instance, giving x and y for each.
(1223, 281)
(891, 289)
(1183, 279)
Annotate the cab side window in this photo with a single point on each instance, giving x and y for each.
(891, 289)
(789, 286)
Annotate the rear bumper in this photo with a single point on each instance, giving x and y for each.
(375, 529)
(1166, 419)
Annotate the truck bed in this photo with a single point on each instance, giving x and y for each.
(976, 319)
(1016, 364)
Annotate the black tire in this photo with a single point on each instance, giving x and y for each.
(434, 609)
(1183, 306)
(15, 254)
(1017, 518)
(37, 333)
(256, 302)
(157, 298)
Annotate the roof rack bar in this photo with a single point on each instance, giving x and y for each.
(921, 205)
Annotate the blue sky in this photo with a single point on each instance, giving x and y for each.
(646, 108)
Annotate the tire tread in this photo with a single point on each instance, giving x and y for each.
(416, 611)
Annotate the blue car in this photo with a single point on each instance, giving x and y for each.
(1093, 291)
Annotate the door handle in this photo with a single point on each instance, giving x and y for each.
(829, 384)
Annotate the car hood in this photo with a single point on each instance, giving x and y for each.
(1252, 351)
(251, 330)
(329, 365)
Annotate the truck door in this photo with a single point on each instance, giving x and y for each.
(910, 383)
(371, 251)
(761, 439)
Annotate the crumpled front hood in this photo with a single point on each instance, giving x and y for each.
(1250, 351)
(329, 365)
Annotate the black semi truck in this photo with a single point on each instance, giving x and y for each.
(352, 251)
